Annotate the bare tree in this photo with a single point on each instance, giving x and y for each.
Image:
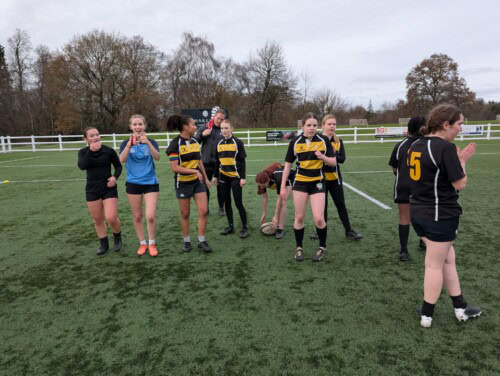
(327, 101)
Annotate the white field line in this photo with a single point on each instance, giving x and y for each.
(369, 198)
(22, 159)
(43, 181)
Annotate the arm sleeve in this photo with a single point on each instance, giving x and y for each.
(217, 163)
(199, 137)
(341, 157)
(393, 162)
(290, 155)
(242, 165)
(452, 164)
(155, 144)
(173, 150)
(83, 158)
(116, 164)
(330, 151)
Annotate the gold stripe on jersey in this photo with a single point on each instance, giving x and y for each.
(226, 152)
(226, 147)
(227, 161)
(312, 147)
(312, 164)
(331, 176)
(336, 146)
(330, 171)
(189, 156)
(309, 166)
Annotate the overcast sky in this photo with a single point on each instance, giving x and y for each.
(361, 49)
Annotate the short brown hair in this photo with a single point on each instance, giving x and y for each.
(308, 116)
(86, 129)
(227, 121)
(439, 115)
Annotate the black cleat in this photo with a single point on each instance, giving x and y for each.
(228, 230)
(404, 256)
(187, 247)
(318, 256)
(244, 232)
(299, 254)
(204, 247)
(117, 244)
(279, 234)
(353, 235)
(463, 314)
(102, 250)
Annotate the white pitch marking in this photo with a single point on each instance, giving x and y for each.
(45, 181)
(22, 159)
(377, 202)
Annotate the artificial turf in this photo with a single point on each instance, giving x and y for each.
(248, 308)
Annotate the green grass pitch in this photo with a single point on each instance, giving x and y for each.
(248, 308)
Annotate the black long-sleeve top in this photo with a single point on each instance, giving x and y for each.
(98, 165)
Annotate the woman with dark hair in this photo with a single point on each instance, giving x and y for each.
(271, 178)
(101, 191)
(230, 175)
(399, 165)
(139, 153)
(312, 151)
(437, 174)
(191, 181)
(333, 178)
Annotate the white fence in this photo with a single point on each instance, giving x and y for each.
(250, 138)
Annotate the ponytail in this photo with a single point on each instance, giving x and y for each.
(176, 122)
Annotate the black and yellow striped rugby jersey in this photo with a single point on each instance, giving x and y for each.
(309, 167)
(231, 158)
(188, 154)
(333, 173)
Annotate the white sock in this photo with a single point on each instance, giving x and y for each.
(187, 239)
(143, 242)
(201, 238)
(151, 241)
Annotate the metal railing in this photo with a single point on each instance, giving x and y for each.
(251, 138)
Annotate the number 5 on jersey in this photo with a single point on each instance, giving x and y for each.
(415, 165)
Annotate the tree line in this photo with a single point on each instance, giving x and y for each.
(100, 79)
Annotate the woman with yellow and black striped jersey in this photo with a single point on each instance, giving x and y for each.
(230, 175)
(190, 177)
(312, 151)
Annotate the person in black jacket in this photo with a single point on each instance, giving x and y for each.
(437, 174)
(209, 136)
(230, 175)
(101, 191)
(399, 165)
(333, 178)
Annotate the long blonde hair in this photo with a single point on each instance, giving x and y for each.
(324, 120)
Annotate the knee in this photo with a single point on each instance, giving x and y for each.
(185, 215)
(98, 221)
(299, 219)
(319, 221)
(137, 217)
(151, 218)
(112, 221)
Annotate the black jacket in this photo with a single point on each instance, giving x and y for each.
(209, 144)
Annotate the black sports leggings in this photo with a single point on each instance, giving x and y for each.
(337, 192)
(226, 186)
(209, 170)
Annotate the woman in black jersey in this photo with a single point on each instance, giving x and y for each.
(271, 178)
(312, 151)
(399, 165)
(101, 191)
(437, 174)
(333, 178)
(190, 178)
(230, 174)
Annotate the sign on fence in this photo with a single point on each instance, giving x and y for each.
(279, 135)
(382, 132)
(201, 116)
(472, 130)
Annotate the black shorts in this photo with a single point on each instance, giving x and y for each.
(102, 194)
(309, 187)
(444, 230)
(139, 189)
(402, 195)
(188, 190)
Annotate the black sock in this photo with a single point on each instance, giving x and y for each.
(104, 242)
(117, 235)
(322, 236)
(404, 232)
(299, 236)
(428, 309)
(458, 301)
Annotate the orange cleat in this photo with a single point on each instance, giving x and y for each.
(142, 249)
(152, 250)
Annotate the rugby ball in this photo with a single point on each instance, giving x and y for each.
(268, 228)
